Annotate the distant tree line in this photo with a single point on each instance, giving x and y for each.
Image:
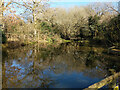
(98, 21)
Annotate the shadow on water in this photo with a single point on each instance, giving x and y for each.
(69, 65)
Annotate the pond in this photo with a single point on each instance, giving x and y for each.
(68, 65)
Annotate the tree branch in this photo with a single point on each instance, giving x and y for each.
(104, 81)
(28, 7)
(113, 9)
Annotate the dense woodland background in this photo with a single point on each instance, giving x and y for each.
(38, 22)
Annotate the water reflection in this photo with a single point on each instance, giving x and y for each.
(68, 65)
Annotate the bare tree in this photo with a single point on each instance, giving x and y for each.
(33, 7)
(3, 7)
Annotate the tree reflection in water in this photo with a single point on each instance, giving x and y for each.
(35, 66)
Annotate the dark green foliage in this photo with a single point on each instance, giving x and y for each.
(108, 32)
(4, 39)
(93, 25)
(90, 61)
(112, 31)
(45, 27)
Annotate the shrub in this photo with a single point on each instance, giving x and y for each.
(4, 39)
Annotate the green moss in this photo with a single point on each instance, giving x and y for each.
(66, 40)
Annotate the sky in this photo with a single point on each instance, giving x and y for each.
(84, 0)
(68, 4)
(67, 0)
(72, 3)
(71, 0)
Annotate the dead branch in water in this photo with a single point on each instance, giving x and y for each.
(104, 82)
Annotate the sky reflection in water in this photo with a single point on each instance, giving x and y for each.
(63, 67)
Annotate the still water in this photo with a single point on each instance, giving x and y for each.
(69, 65)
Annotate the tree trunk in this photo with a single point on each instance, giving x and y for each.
(34, 18)
(1, 14)
(104, 82)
